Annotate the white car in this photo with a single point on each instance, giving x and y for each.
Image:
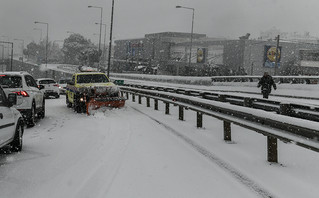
(51, 87)
(31, 103)
(62, 85)
(11, 122)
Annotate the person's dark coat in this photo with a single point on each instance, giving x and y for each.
(266, 82)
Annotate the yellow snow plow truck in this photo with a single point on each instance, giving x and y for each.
(89, 91)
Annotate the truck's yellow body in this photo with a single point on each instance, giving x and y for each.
(92, 90)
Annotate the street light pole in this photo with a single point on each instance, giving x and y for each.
(100, 28)
(104, 47)
(192, 31)
(277, 55)
(46, 46)
(110, 44)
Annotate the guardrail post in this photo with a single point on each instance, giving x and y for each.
(272, 149)
(181, 113)
(166, 108)
(148, 103)
(199, 120)
(285, 109)
(227, 131)
(127, 95)
(248, 102)
(122, 94)
(222, 98)
(155, 104)
(139, 99)
(133, 97)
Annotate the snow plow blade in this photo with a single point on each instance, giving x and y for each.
(96, 103)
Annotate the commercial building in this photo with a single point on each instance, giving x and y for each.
(168, 53)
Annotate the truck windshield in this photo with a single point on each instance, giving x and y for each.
(92, 78)
(7, 81)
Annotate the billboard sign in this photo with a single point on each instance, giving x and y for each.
(270, 56)
(201, 55)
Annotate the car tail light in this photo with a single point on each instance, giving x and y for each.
(57, 85)
(22, 93)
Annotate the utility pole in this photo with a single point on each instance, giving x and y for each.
(110, 43)
(276, 60)
(46, 47)
(192, 32)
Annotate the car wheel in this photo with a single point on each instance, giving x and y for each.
(41, 114)
(31, 120)
(17, 142)
(57, 96)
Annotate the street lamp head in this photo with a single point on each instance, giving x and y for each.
(36, 22)
(178, 6)
(89, 6)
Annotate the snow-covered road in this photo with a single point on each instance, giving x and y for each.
(141, 153)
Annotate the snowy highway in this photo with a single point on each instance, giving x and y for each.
(139, 152)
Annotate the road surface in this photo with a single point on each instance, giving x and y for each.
(139, 152)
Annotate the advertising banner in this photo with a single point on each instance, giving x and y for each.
(270, 56)
(201, 55)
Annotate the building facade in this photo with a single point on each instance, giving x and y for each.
(168, 53)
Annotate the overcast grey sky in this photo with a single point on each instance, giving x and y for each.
(134, 18)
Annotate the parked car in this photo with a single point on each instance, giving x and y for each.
(62, 85)
(11, 122)
(31, 103)
(51, 87)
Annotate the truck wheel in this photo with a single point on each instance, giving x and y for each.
(79, 107)
(16, 144)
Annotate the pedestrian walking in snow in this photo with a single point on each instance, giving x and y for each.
(266, 82)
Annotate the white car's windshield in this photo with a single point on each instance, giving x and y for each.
(43, 82)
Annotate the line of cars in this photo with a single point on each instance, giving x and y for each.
(22, 102)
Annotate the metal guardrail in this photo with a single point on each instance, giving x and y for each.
(307, 112)
(301, 132)
(279, 79)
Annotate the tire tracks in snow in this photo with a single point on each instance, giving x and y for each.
(253, 186)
